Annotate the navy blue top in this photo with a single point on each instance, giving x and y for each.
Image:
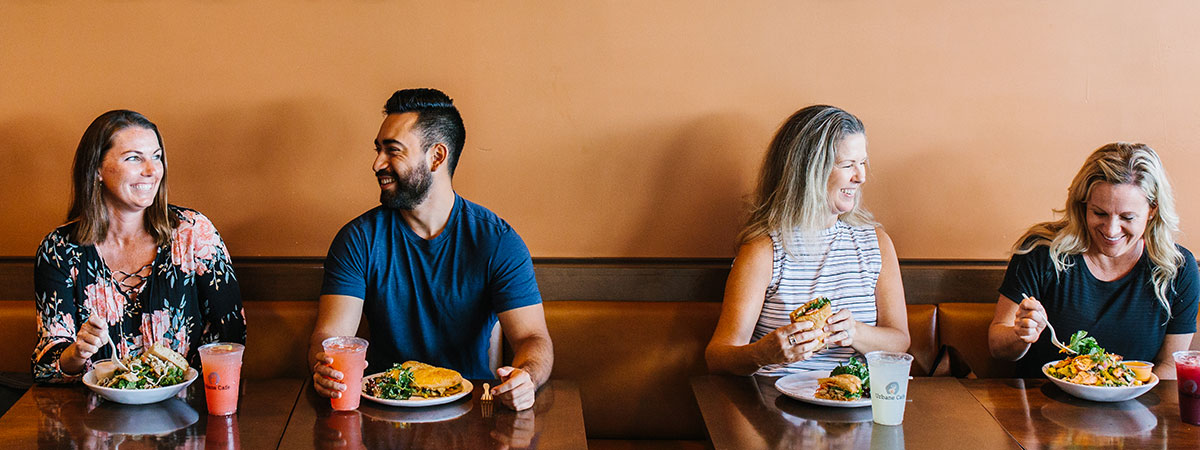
(432, 300)
(1123, 315)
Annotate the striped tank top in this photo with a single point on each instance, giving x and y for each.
(841, 263)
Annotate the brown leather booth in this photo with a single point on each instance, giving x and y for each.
(962, 329)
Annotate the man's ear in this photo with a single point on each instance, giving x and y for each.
(438, 155)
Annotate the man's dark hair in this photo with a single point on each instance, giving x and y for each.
(437, 119)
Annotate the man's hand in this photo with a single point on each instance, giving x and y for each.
(516, 389)
(325, 379)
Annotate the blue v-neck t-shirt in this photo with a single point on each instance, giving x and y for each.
(431, 300)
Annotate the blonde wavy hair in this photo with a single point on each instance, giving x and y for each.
(792, 188)
(1116, 163)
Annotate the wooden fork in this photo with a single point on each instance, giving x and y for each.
(485, 401)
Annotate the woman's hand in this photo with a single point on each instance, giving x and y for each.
(788, 344)
(91, 336)
(841, 327)
(1030, 321)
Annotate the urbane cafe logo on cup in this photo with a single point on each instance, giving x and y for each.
(893, 392)
(214, 382)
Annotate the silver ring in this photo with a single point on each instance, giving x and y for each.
(792, 339)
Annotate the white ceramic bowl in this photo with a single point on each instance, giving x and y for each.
(1100, 393)
(138, 396)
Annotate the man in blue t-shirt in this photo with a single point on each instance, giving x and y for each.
(432, 272)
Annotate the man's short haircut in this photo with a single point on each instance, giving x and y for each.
(437, 119)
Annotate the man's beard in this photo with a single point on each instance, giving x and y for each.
(410, 190)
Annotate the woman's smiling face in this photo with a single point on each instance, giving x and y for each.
(132, 169)
(1116, 218)
(849, 172)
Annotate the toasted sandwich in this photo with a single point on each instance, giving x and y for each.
(169, 356)
(816, 311)
(431, 382)
(843, 387)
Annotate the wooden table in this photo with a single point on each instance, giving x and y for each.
(1040, 415)
(74, 417)
(555, 422)
(749, 413)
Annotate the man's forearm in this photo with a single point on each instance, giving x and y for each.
(535, 355)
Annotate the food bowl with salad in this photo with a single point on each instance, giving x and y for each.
(153, 376)
(1094, 374)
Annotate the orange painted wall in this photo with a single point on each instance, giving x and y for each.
(601, 129)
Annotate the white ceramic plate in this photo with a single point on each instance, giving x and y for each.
(1100, 393)
(467, 387)
(138, 396)
(802, 387)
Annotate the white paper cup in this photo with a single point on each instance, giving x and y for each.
(889, 385)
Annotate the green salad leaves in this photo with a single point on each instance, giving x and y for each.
(1082, 344)
(145, 372)
(396, 384)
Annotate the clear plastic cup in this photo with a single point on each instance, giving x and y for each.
(889, 385)
(1187, 369)
(221, 363)
(349, 355)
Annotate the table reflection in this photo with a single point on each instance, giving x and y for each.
(749, 412)
(221, 433)
(455, 425)
(820, 427)
(1041, 415)
(106, 424)
(70, 416)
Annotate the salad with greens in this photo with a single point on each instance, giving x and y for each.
(146, 371)
(1092, 366)
(395, 383)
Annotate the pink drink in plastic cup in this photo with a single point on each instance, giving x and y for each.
(1187, 369)
(350, 358)
(222, 366)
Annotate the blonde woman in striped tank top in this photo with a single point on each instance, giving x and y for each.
(808, 236)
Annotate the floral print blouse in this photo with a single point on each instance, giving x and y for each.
(190, 298)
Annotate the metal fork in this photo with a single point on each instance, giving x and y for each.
(1053, 337)
(485, 401)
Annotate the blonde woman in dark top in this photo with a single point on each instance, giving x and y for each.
(1110, 266)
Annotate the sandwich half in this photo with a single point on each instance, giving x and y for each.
(432, 382)
(843, 387)
(816, 311)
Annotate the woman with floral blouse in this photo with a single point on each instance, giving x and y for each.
(128, 269)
